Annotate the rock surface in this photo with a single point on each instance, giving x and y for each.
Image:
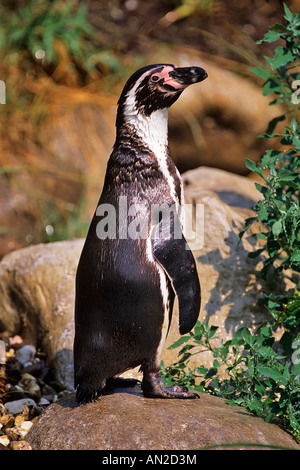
(127, 420)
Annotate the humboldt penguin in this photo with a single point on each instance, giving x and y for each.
(135, 259)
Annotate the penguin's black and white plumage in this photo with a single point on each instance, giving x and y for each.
(126, 283)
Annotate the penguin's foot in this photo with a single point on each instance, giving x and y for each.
(86, 393)
(153, 387)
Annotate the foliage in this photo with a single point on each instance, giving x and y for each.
(44, 45)
(46, 32)
(279, 210)
(258, 378)
(67, 224)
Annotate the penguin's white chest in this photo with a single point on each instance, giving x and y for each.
(153, 131)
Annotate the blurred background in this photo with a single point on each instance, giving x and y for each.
(64, 64)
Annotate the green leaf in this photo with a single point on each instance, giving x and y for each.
(270, 36)
(260, 388)
(288, 15)
(276, 101)
(179, 342)
(261, 189)
(272, 304)
(271, 86)
(266, 331)
(248, 223)
(247, 336)
(282, 56)
(211, 331)
(216, 364)
(295, 256)
(272, 373)
(251, 165)
(211, 372)
(262, 214)
(294, 124)
(270, 157)
(286, 176)
(277, 228)
(202, 370)
(294, 422)
(256, 406)
(184, 350)
(296, 367)
(261, 71)
(273, 123)
(278, 27)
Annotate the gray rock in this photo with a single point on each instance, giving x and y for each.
(2, 352)
(126, 420)
(17, 406)
(25, 354)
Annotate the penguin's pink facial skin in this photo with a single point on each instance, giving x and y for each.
(163, 77)
(177, 78)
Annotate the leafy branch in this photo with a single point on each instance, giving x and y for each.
(278, 211)
(257, 377)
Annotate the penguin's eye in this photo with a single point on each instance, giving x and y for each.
(155, 78)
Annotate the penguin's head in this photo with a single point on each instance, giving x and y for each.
(155, 87)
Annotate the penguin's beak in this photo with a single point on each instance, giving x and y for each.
(185, 76)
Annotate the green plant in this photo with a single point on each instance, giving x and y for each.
(48, 32)
(256, 376)
(72, 222)
(247, 370)
(278, 210)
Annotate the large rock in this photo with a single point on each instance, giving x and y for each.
(125, 420)
(37, 283)
(37, 300)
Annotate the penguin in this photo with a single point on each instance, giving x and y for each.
(133, 263)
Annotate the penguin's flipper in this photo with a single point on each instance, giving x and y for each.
(172, 252)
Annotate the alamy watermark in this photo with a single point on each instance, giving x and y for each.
(139, 221)
(2, 92)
